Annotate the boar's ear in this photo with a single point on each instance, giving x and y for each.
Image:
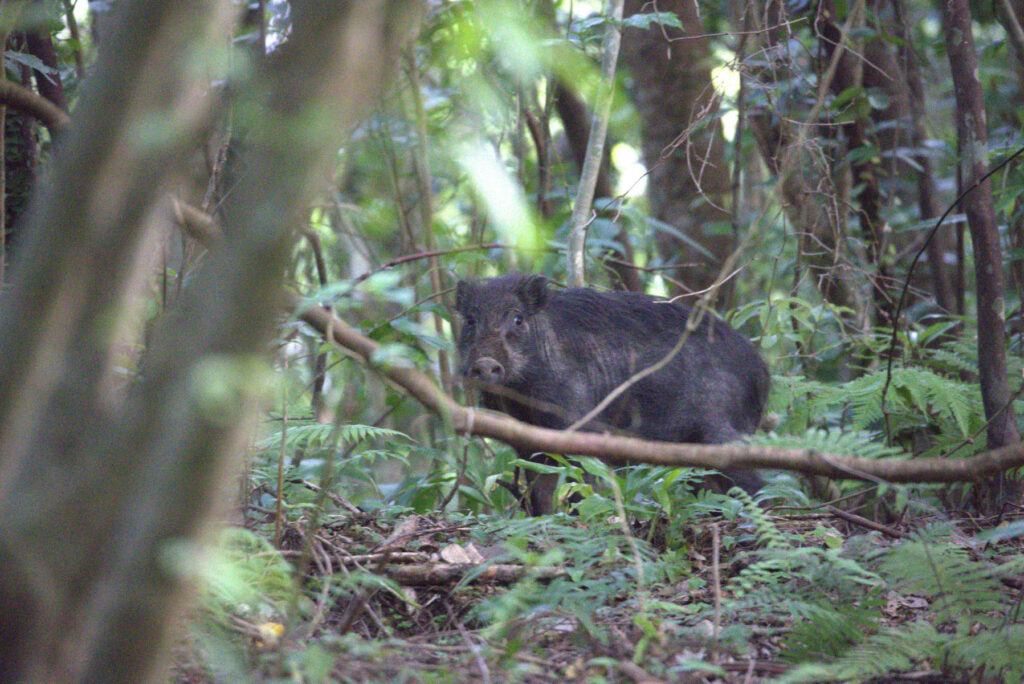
(534, 293)
(461, 296)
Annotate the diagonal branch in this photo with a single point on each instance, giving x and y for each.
(28, 101)
(614, 448)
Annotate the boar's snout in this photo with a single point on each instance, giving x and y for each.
(487, 370)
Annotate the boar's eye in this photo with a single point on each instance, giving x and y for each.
(468, 321)
(517, 320)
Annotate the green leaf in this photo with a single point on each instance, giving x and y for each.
(645, 21)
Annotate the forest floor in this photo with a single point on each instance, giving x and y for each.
(411, 598)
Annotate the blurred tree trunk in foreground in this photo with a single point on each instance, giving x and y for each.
(105, 491)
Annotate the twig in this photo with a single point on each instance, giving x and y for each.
(424, 255)
(865, 522)
(279, 508)
(458, 480)
(337, 500)
(474, 649)
(444, 573)
(393, 556)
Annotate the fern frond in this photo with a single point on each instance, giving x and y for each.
(827, 630)
(764, 528)
(961, 590)
(995, 656)
(880, 654)
(955, 357)
(319, 435)
(802, 401)
(832, 441)
(915, 395)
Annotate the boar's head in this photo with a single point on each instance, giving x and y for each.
(498, 344)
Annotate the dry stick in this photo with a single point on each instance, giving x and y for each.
(595, 146)
(326, 569)
(499, 426)
(445, 573)
(486, 423)
(864, 522)
(339, 501)
(392, 556)
(361, 600)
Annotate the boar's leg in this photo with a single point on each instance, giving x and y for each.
(749, 481)
(540, 487)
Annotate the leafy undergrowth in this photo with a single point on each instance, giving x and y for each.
(736, 593)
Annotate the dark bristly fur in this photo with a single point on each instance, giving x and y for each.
(552, 356)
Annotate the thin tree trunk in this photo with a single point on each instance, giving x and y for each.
(3, 170)
(50, 86)
(76, 38)
(927, 194)
(988, 267)
(573, 114)
(576, 257)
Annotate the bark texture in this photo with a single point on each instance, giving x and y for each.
(575, 121)
(103, 501)
(689, 184)
(977, 205)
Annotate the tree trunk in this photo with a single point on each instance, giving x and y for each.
(977, 205)
(105, 494)
(576, 123)
(807, 185)
(50, 86)
(927, 193)
(689, 184)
